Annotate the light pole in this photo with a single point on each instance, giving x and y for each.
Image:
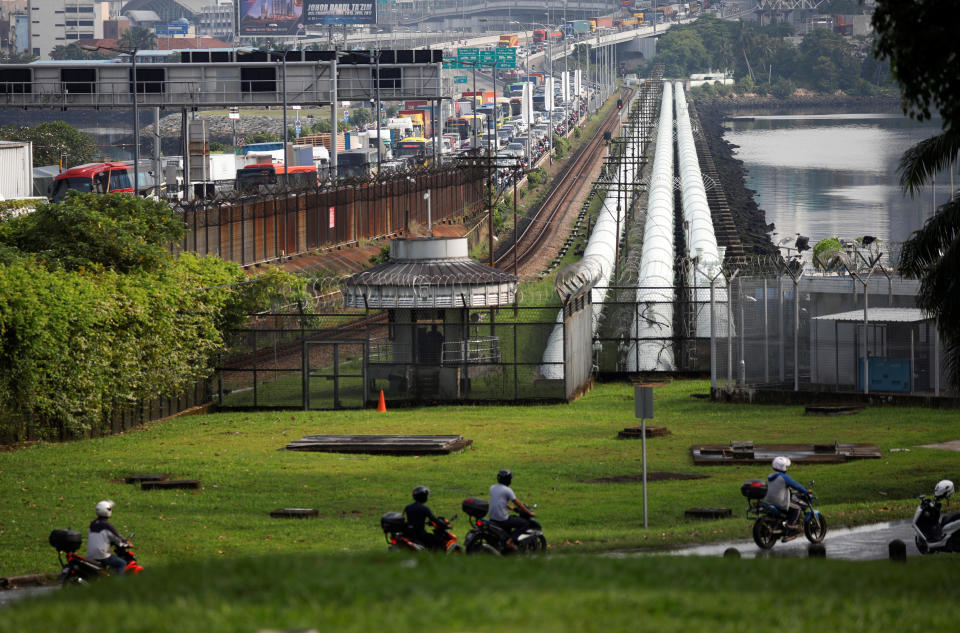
(132, 52)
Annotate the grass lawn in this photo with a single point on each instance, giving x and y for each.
(552, 594)
(551, 449)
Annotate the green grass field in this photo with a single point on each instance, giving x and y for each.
(219, 562)
(551, 594)
(553, 450)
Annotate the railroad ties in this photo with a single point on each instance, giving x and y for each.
(382, 444)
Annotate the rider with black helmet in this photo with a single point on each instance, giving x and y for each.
(501, 495)
(417, 514)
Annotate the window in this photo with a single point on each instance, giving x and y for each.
(120, 179)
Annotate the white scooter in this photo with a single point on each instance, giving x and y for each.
(936, 533)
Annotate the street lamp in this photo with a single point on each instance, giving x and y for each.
(132, 52)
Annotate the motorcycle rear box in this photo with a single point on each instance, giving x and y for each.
(66, 540)
(476, 507)
(392, 522)
(754, 489)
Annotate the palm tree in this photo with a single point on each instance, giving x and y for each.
(138, 38)
(932, 254)
(924, 53)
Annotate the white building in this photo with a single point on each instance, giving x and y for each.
(61, 22)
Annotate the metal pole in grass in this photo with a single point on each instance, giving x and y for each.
(643, 409)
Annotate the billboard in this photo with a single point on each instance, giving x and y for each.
(271, 17)
(326, 12)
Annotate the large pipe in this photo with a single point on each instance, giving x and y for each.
(701, 240)
(651, 347)
(597, 266)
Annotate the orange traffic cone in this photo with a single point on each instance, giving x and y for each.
(382, 404)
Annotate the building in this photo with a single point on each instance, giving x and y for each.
(55, 23)
(216, 19)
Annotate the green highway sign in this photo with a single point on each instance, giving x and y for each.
(488, 57)
(459, 79)
(468, 54)
(506, 57)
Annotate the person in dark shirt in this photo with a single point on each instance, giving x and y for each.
(417, 514)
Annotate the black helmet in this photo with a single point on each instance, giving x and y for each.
(505, 477)
(420, 494)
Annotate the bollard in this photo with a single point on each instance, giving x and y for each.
(898, 551)
(731, 552)
(816, 550)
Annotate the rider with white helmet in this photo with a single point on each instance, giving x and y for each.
(943, 489)
(778, 491)
(101, 536)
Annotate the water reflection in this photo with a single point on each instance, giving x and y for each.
(834, 175)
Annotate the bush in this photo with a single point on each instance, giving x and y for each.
(95, 314)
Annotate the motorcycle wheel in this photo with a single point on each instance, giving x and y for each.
(921, 545)
(815, 528)
(454, 549)
(763, 534)
(480, 547)
(69, 581)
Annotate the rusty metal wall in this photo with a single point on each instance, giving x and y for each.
(254, 229)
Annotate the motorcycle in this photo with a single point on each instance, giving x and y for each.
(935, 533)
(77, 570)
(770, 524)
(398, 535)
(485, 537)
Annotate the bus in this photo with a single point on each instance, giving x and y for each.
(509, 40)
(252, 177)
(112, 177)
(461, 126)
(516, 106)
(421, 149)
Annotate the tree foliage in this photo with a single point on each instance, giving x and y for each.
(823, 61)
(100, 232)
(74, 52)
(920, 41)
(138, 38)
(53, 139)
(98, 315)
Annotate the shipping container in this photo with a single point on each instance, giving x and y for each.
(16, 163)
(603, 23)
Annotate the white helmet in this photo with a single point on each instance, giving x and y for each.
(781, 463)
(943, 489)
(105, 508)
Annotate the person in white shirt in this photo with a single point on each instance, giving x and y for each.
(501, 496)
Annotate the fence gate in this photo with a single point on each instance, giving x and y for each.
(333, 374)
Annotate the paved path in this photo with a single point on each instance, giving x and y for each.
(868, 542)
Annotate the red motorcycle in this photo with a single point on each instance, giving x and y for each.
(78, 570)
(398, 536)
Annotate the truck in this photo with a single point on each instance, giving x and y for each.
(603, 23)
(508, 40)
(539, 35)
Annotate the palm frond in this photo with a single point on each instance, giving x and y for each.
(927, 245)
(920, 162)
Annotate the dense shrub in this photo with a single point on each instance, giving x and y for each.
(89, 328)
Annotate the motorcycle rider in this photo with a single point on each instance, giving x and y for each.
(101, 536)
(778, 491)
(417, 514)
(501, 495)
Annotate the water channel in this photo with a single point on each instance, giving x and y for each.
(834, 175)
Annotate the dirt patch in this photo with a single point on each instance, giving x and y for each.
(630, 479)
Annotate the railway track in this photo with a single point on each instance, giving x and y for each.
(542, 227)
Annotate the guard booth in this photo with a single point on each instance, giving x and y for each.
(436, 340)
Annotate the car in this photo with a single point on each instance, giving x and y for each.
(515, 149)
